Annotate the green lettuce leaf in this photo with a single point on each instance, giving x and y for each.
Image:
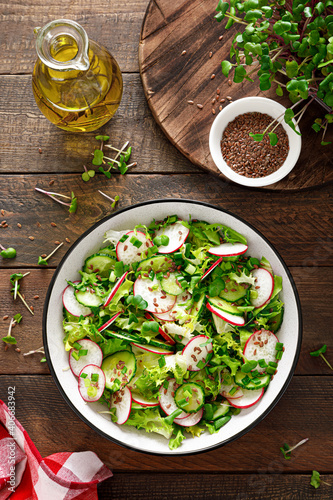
(195, 430)
(176, 441)
(151, 421)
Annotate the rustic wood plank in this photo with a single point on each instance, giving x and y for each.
(114, 24)
(258, 486)
(171, 77)
(27, 130)
(304, 411)
(301, 235)
(316, 317)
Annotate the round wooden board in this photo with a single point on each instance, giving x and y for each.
(171, 77)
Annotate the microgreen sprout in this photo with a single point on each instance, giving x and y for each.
(316, 481)
(119, 162)
(40, 350)
(7, 253)
(14, 279)
(72, 204)
(87, 174)
(321, 353)
(9, 339)
(114, 201)
(288, 39)
(286, 450)
(43, 261)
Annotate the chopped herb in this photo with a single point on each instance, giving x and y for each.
(83, 375)
(94, 377)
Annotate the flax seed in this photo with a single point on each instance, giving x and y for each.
(51, 182)
(53, 224)
(210, 54)
(222, 100)
(40, 151)
(213, 111)
(6, 347)
(2, 212)
(38, 224)
(212, 76)
(68, 240)
(183, 53)
(32, 308)
(43, 255)
(19, 225)
(57, 242)
(220, 108)
(36, 297)
(220, 37)
(190, 102)
(31, 238)
(5, 317)
(218, 91)
(229, 83)
(200, 106)
(17, 349)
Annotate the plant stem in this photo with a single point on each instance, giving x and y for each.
(237, 19)
(60, 245)
(106, 196)
(297, 445)
(328, 364)
(121, 150)
(39, 350)
(24, 302)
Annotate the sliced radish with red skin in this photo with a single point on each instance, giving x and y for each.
(141, 400)
(194, 352)
(71, 304)
(193, 419)
(229, 318)
(237, 395)
(264, 286)
(153, 349)
(228, 249)
(177, 234)
(211, 268)
(122, 402)
(93, 357)
(171, 315)
(100, 384)
(167, 401)
(160, 331)
(158, 301)
(109, 322)
(129, 253)
(249, 398)
(261, 345)
(115, 289)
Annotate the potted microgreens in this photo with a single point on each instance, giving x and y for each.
(288, 43)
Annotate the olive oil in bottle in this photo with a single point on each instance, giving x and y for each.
(76, 82)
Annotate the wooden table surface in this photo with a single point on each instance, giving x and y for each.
(299, 224)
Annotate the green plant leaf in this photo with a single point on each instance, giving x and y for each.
(298, 86)
(222, 7)
(253, 15)
(98, 157)
(281, 27)
(226, 67)
(307, 12)
(279, 91)
(240, 73)
(291, 68)
(315, 479)
(273, 138)
(288, 118)
(256, 137)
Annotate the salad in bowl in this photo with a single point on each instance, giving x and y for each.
(173, 326)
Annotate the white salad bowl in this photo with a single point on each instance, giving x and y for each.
(290, 333)
(248, 105)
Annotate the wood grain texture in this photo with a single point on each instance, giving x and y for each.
(171, 78)
(258, 486)
(302, 235)
(25, 130)
(112, 23)
(304, 411)
(316, 317)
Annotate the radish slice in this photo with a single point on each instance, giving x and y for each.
(195, 353)
(166, 399)
(210, 269)
(151, 348)
(93, 357)
(141, 400)
(229, 318)
(237, 395)
(115, 289)
(261, 345)
(122, 402)
(193, 419)
(171, 315)
(249, 398)
(177, 234)
(160, 331)
(91, 391)
(109, 322)
(158, 301)
(228, 249)
(264, 286)
(72, 305)
(129, 253)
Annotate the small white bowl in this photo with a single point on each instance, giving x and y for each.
(247, 105)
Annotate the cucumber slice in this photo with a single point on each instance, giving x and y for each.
(233, 291)
(264, 381)
(190, 397)
(128, 337)
(275, 322)
(88, 298)
(158, 263)
(110, 250)
(221, 410)
(171, 285)
(99, 263)
(200, 378)
(225, 306)
(198, 306)
(119, 369)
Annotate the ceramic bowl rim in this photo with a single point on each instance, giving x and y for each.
(94, 427)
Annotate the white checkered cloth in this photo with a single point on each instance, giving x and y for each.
(25, 475)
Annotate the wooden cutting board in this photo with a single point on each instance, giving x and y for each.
(181, 48)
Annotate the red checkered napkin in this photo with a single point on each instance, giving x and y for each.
(25, 475)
